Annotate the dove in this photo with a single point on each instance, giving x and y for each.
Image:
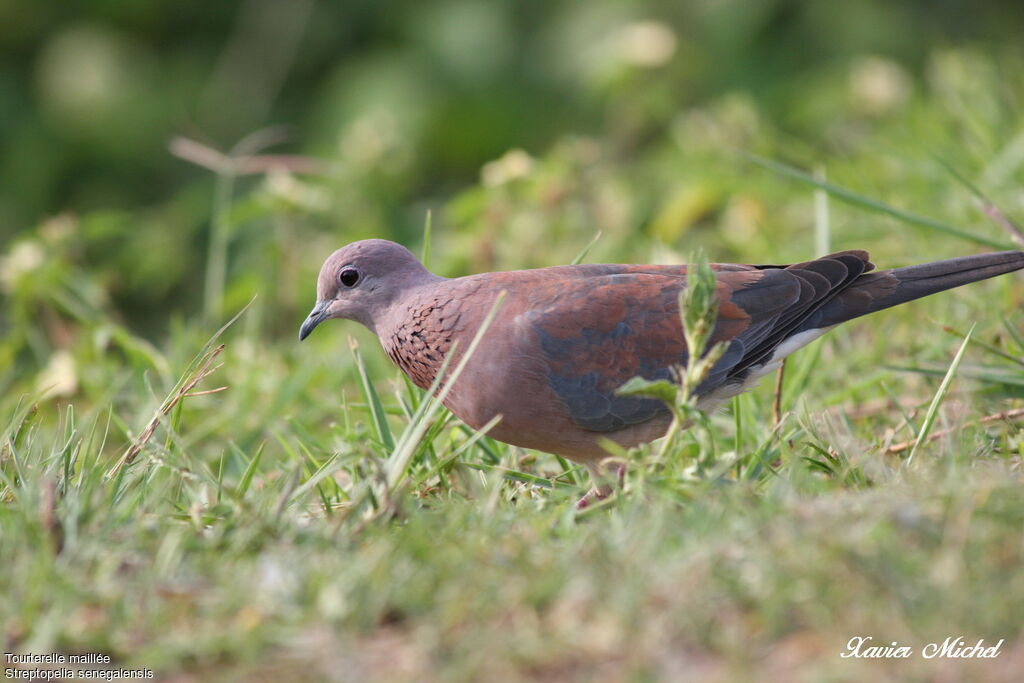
(567, 337)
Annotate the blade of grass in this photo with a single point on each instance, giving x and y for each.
(586, 250)
(851, 197)
(986, 205)
(326, 469)
(476, 436)
(427, 229)
(380, 421)
(250, 470)
(737, 417)
(406, 447)
(908, 417)
(1012, 331)
(994, 350)
(568, 470)
(980, 373)
(933, 409)
(524, 477)
(488, 446)
(822, 224)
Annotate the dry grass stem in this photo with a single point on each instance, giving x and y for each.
(1003, 221)
(988, 419)
(780, 376)
(214, 160)
(184, 390)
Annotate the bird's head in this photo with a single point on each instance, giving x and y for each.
(360, 282)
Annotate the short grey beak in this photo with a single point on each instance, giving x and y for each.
(316, 316)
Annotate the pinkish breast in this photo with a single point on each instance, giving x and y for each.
(420, 343)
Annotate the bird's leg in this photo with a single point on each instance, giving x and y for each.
(602, 487)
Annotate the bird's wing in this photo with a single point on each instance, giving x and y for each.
(600, 329)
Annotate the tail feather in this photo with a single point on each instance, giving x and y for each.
(879, 290)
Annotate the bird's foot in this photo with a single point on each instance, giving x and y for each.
(602, 489)
(597, 493)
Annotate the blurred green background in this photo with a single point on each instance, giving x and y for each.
(525, 126)
(163, 163)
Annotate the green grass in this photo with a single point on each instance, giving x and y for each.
(321, 518)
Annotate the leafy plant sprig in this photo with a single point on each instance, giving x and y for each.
(698, 312)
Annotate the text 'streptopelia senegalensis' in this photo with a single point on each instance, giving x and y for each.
(567, 337)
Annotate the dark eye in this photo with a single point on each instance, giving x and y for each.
(349, 277)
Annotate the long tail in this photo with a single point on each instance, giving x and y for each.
(879, 290)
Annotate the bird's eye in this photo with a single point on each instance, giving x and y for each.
(349, 277)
